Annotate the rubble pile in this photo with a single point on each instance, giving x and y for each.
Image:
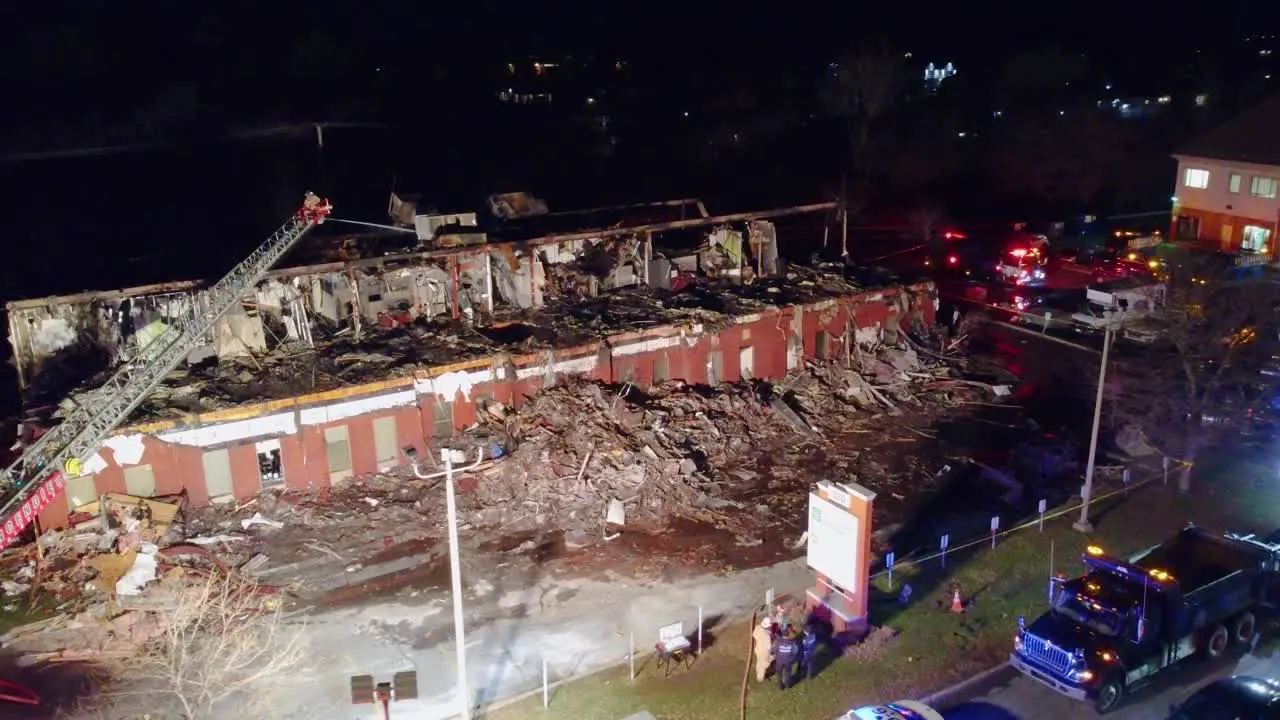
(581, 444)
(582, 455)
(111, 577)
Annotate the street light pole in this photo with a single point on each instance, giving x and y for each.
(450, 457)
(1083, 524)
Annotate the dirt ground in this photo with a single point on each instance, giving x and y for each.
(341, 548)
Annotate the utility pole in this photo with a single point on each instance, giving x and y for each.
(455, 570)
(1083, 524)
(844, 217)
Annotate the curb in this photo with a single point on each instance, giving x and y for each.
(935, 700)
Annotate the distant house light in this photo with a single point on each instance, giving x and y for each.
(1164, 99)
(1202, 99)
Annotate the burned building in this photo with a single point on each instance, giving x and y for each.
(329, 371)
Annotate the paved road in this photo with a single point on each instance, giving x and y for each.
(1012, 697)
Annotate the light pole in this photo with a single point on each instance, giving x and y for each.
(1083, 524)
(450, 457)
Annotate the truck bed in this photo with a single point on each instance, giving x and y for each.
(1197, 559)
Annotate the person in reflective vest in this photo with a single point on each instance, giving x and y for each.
(762, 637)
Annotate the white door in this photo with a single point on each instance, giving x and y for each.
(338, 450)
(217, 472)
(384, 442)
(80, 491)
(747, 363)
(139, 481)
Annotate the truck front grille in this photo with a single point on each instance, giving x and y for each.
(1046, 654)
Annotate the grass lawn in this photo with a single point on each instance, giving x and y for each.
(934, 648)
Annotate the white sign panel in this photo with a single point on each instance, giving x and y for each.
(833, 542)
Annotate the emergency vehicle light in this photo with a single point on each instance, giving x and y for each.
(1094, 550)
(1018, 252)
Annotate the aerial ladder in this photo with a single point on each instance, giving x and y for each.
(38, 476)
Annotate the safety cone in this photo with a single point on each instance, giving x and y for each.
(957, 605)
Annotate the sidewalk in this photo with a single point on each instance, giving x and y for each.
(577, 626)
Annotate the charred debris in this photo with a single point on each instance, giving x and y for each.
(459, 291)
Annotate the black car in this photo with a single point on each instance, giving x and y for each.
(1237, 698)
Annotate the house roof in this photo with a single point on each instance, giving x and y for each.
(1252, 136)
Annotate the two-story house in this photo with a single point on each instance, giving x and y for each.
(1227, 195)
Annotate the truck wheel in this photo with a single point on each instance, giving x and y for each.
(1216, 643)
(1246, 626)
(1110, 694)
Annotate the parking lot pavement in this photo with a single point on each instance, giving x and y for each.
(1014, 697)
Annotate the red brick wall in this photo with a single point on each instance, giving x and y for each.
(246, 478)
(304, 460)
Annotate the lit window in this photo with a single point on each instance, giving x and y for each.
(1255, 238)
(1263, 187)
(1196, 178)
(1233, 183)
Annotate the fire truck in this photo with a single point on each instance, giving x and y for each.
(38, 476)
(1023, 261)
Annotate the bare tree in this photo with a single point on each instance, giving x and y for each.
(1202, 382)
(926, 218)
(222, 648)
(859, 90)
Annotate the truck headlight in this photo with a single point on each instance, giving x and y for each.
(1083, 675)
(1017, 642)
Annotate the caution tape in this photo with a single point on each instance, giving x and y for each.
(986, 539)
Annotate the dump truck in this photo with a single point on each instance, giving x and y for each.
(1124, 621)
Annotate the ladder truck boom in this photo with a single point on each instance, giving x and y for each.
(36, 477)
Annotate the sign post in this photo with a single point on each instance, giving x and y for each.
(1164, 462)
(1041, 508)
(943, 543)
(888, 563)
(699, 629)
(840, 553)
(995, 530)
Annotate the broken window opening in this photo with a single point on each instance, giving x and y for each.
(746, 362)
(442, 419)
(715, 367)
(661, 369)
(375, 297)
(627, 375)
(821, 345)
(269, 467)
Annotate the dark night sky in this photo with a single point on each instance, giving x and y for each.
(76, 71)
(58, 50)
